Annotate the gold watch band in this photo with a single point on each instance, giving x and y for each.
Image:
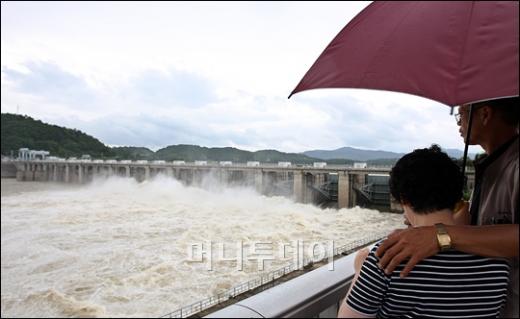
(443, 238)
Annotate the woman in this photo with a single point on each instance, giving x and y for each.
(451, 284)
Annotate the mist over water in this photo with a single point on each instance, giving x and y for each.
(117, 247)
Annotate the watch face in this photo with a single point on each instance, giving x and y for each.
(444, 240)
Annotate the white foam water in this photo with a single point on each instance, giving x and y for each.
(118, 248)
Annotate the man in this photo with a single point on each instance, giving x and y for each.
(491, 226)
(451, 283)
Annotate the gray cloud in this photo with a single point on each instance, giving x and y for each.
(147, 89)
(49, 81)
(145, 130)
(158, 89)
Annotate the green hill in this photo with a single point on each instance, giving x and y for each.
(133, 153)
(22, 131)
(19, 131)
(192, 153)
(272, 156)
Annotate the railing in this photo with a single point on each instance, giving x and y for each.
(204, 304)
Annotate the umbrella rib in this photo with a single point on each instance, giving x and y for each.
(455, 87)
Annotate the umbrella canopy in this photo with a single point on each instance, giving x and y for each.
(454, 52)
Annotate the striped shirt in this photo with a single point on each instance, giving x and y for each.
(450, 284)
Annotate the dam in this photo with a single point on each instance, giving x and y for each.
(340, 185)
(343, 186)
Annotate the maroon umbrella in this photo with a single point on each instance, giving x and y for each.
(454, 52)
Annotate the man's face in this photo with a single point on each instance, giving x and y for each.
(463, 120)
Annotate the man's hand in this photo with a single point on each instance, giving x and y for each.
(414, 244)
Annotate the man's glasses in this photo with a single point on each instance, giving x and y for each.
(458, 116)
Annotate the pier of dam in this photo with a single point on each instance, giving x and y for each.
(338, 185)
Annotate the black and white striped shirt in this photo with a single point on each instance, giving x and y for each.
(450, 284)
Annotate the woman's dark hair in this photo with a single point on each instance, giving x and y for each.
(427, 179)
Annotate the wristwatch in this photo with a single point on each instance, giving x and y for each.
(443, 238)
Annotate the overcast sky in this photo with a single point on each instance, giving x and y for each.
(211, 74)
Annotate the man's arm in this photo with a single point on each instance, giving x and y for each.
(489, 240)
(419, 243)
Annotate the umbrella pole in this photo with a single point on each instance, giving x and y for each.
(468, 134)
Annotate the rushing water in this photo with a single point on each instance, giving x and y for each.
(120, 248)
